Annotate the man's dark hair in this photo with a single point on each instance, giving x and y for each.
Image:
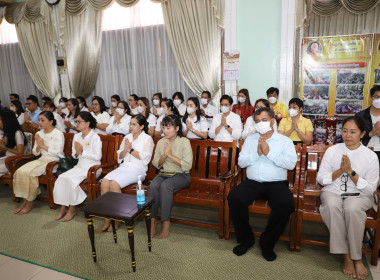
(116, 97)
(296, 101)
(15, 95)
(33, 98)
(273, 89)
(227, 97)
(265, 109)
(207, 92)
(135, 97)
(374, 89)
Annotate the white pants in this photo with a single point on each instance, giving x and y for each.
(67, 190)
(345, 218)
(125, 175)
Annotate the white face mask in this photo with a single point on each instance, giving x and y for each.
(156, 101)
(120, 111)
(12, 108)
(113, 104)
(376, 103)
(241, 99)
(190, 110)
(204, 101)
(272, 100)
(62, 104)
(263, 127)
(160, 111)
(293, 112)
(224, 109)
(80, 106)
(140, 109)
(177, 102)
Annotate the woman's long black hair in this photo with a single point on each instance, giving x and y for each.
(10, 127)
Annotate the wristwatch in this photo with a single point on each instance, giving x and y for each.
(298, 130)
(228, 126)
(131, 151)
(352, 174)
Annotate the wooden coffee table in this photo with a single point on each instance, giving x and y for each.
(118, 207)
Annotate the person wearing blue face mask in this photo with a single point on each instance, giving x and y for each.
(267, 156)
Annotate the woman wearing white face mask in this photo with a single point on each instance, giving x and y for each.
(119, 122)
(114, 100)
(156, 101)
(167, 108)
(371, 117)
(243, 108)
(226, 126)
(178, 100)
(194, 125)
(296, 127)
(143, 109)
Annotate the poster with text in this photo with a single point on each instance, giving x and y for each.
(375, 71)
(335, 76)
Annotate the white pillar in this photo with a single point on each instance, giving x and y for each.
(230, 40)
(288, 29)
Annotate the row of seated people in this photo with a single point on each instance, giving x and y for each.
(346, 168)
(224, 126)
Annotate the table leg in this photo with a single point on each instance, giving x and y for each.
(114, 230)
(148, 225)
(131, 239)
(91, 234)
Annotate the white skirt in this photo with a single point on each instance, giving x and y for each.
(67, 190)
(125, 175)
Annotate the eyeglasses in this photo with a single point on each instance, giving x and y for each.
(344, 180)
(78, 122)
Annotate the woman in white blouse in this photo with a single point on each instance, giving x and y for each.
(12, 140)
(194, 125)
(156, 101)
(119, 122)
(82, 103)
(133, 156)
(226, 126)
(73, 107)
(87, 147)
(143, 109)
(250, 125)
(178, 100)
(99, 112)
(49, 142)
(49, 106)
(349, 173)
(16, 107)
(168, 109)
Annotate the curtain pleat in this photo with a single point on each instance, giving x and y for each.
(39, 56)
(83, 40)
(195, 38)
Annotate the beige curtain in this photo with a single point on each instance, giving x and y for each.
(83, 40)
(195, 30)
(341, 17)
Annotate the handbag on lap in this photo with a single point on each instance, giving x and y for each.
(65, 164)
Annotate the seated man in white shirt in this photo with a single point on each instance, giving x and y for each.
(207, 109)
(226, 126)
(268, 156)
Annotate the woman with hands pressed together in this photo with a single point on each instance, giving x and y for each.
(49, 142)
(87, 147)
(194, 125)
(134, 156)
(349, 173)
(174, 156)
(119, 122)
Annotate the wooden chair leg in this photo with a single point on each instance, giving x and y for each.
(293, 231)
(221, 219)
(227, 221)
(375, 249)
(49, 187)
(299, 232)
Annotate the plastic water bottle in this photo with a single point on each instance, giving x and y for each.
(140, 196)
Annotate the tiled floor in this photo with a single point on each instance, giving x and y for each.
(375, 270)
(13, 269)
